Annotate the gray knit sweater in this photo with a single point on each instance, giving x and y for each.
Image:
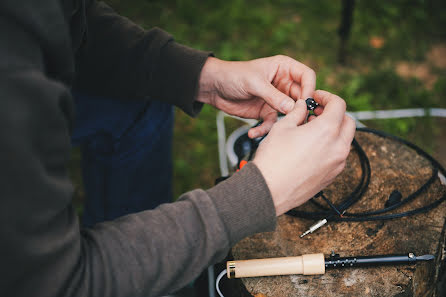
(47, 48)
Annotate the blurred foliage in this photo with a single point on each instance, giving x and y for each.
(404, 30)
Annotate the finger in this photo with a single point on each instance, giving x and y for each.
(295, 91)
(265, 127)
(297, 115)
(334, 106)
(348, 129)
(276, 99)
(308, 83)
(306, 77)
(311, 117)
(318, 110)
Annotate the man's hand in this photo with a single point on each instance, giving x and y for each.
(256, 89)
(298, 160)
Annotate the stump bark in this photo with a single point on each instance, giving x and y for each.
(393, 166)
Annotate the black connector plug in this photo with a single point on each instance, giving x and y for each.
(311, 104)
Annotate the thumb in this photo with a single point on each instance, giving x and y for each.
(276, 99)
(297, 116)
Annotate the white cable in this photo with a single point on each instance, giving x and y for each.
(221, 132)
(358, 123)
(398, 113)
(437, 112)
(230, 144)
(395, 114)
(217, 282)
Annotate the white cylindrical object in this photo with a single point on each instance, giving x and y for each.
(306, 264)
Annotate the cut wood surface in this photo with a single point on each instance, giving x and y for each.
(393, 167)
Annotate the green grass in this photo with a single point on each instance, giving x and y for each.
(306, 31)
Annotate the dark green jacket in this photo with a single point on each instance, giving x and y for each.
(47, 48)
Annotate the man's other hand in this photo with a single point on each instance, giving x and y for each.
(256, 89)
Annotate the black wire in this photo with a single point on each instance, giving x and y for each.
(332, 206)
(332, 215)
(339, 212)
(348, 201)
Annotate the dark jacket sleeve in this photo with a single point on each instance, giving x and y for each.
(121, 60)
(43, 250)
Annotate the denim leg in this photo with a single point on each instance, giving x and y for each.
(126, 155)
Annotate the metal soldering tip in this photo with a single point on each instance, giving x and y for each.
(425, 258)
(305, 233)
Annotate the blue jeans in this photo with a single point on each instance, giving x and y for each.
(126, 155)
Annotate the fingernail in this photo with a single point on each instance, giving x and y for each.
(287, 106)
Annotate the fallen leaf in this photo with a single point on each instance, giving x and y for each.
(376, 42)
(437, 56)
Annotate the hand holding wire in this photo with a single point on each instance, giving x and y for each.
(283, 156)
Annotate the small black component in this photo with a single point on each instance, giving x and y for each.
(333, 255)
(394, 198)
(311, 104)
(243, 146)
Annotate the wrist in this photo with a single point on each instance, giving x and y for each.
(244, 203)
(279, 204)
(207, 85)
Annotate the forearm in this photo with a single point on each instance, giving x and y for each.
(161, 250)
(121, 60)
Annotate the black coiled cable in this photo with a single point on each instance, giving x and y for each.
(377, 215)
(340, 212)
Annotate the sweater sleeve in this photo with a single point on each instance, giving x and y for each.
(121, 60)
(44, 250)
(159, 251)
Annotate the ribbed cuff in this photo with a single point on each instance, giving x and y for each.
(244, 203)
(178, 74)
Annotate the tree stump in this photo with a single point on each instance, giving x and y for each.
(393, 166)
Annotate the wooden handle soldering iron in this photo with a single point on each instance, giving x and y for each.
(312, 264)
(307, 264)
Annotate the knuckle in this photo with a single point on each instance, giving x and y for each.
(280, 57)
(311, 72)
(318, 93)
(351, 122)
(349, 128)
(321, 95)
(341, 103)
